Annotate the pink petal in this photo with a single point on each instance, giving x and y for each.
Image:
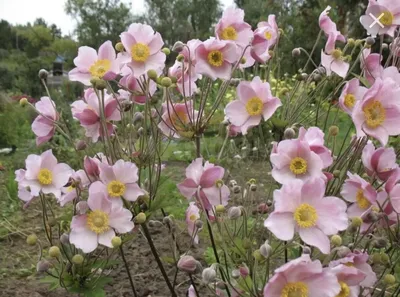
(106, 237)
(188, 188)
(106, 51)
(132, 192)
(315, 237)
(48, 160)
(125, 172)
(86, 58)
(210, 176)
(98, 201)
(281, 225)
(236, 113)
(195, 170)
(61, 174)
(120, 220)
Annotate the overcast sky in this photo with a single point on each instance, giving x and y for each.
(23, 11)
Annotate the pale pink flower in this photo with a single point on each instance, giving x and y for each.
(100, 224)
(78, 181)
(192, 215)
(352, 93)
(373, 69)
(192, 292)
(390, 19)
(232, 27)
(214, 58)
(91, 166)
(88, 113)
(380, 162)
(143, 49)
(260, 49)
(205, 183)
(44, 175)
(329, 27)
(332, 58)
(255, 102)
(315, 139)
(293, 159)
(358, 260)
(378, 113)
(23, 193)
(233, 130)
(393, 189)
(265, 36)
(302, 277)
(189, 51)
(44, 124)
(186, 78)
(360, 193)
(302, 208)
(131, 83)
(249, 59)
(89, 64)
(349, 279)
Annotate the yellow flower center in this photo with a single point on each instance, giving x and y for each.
(268, 35)
(349, 100)
(116, 188)
(297, 289)
(305, 216)
(193, 217)
(179, 120)
(375, 114)
(97, 221)
(298, 165)
(229, 33)
(140, 52)
(362, 202)
(219, 183)
(254, 106)
(387, 19)
(349, 264)
(215, 58)
(337, 54)
(99, 68)
(71, 188)
(344, 290)
(45, 176)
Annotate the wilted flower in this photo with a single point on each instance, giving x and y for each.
(192, 215)
(381, 161)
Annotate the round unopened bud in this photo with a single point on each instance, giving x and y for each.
(370, 41)
(174, 79)
(336, 240)
(220, 208)
(304, 76)
(166, 82)
(199, 224)
(372, 217)
(317, 77)
(80, 145)
(23, 102)
(152, 74)
(306, 250)
(187, 264)
(235, 82)
(351, 42)
(336, 173)
(64, 238)
(289, 133)
(296, 52)
(243, 60)
(236, 189)
(385, 46)
(119, 47)
(333, 130)
(235, 273)
(265, 250)
(234, 212)
(385, 258)
(54, 252)
(356, 221)
(208, 275)
(43, 73)
(352, 229)
(116, 241)
(244, 271)
(77, 259)
(31, 239)
(43, 266)
(380, 243)
(140, 218)
(82, 207)
(376, 258)
(262, 208)
(389, 279)
(343, 251)
(180, 58)
(221, 285)
(166, 51)
(253, 187)
(178, 46)
(100, 84)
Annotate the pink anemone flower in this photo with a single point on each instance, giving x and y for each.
(378, 113)
(380, 162)
(99, 225)
(302, 208)
(205, 183)
(293, 159)
(192, 215)
(329, 27)
(214, 58)
(143, 49)
(24, 193)
(302, 277)
(131, 83)
(44, 124)
(332, 59)
(45, 175)
(232, 27)
(351, 94)
(255, 102)
(249, 60)
(88, 113)
(393, 189)
(373, 69)
(78, 181)
(265, 36)
(349, 279)
(386, 12)
(90, 64)
(186, 78)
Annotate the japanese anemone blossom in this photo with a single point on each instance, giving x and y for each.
(371, 65)
(143, 49)
(88, 113)
(44, 124)
(349, 279)
(232, 27)
(329, 27)
(77, 182)
(249, 60)
(205, 183)
(302, 208)
(352, 93)
(23, 193)
(315, 139)
(192, 215)
(393, 189)
(360, 193)
(265, 37)
(214, 58)
(44, 175)
(186, 78)
(89, 64)
(255, 102)
(380, 162)
(332, 59)
(302, 277)
(131, 83)
(293, 159)
(99, 225)
(358, 260)
(386, 12)
(378, 113)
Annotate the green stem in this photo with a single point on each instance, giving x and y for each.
(128, 271)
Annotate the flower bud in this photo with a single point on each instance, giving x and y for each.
(64, 238)
(82, 207)
(235, 82)
(304, 76)
(244, 271)
(343, 251)
(116, 241)
(43, 73)
(257, 255)
(246, 243)
(372, 216)
(351, 42)
(54, 252)
(306, 250)
(289, 133)
(220, 208)
(31, 239)
(180, 58)
(188, 264)
(137, 118)
(336, 173)
(376, 258)
(356, 222)
(152, 74)
(77, 259)
(389, 279)
(178, 46)
(235, 273)
(265, 250)
(380, 243)
(23, 102)
(333, 130)
(221, 285)
(100, 84)
(208, 275)
(296, 52)
(243, 60)
(385, 258)
(370, 41)
(43, 266)
(234, 212)
(262, 208)
(336, 240)
(253, 187)
(199, 224)
(236, 189)
(166, 51)
(166, 82)
(140, 218)
(317, 77)
(119, 47)
(80, 145)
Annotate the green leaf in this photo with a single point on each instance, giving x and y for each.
(168, 260)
